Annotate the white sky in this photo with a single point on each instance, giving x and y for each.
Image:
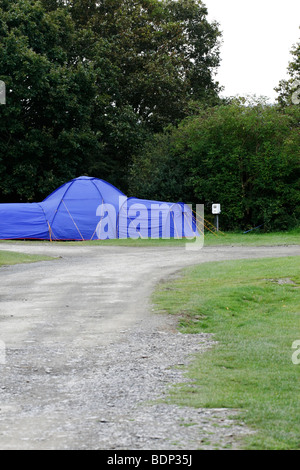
(257, 39)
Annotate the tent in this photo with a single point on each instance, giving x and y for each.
(69, 213)
(22, 221)
(90, 209)
(72, 211)
(141, 218)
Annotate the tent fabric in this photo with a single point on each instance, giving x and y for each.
(72, 209)
(89, 209)
(69, 213)
(23, 221)
(141, 218)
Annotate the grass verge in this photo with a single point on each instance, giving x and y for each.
(255, 238)
(10, 258)
(253, 309)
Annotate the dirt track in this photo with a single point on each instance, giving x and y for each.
(84, 354)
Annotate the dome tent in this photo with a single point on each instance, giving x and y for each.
(72, 210)
(90, 209)
(69, 213)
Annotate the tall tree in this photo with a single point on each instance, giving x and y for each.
(289, 90)
(46, 134)
(88, 80)
(166, 53)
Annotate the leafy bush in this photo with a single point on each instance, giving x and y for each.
(242, 155)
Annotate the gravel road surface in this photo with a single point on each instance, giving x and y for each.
(84, 362)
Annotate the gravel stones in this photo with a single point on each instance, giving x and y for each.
(111, 397)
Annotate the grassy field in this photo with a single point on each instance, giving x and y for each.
(254, 238)
(253, 309)
(9, 258)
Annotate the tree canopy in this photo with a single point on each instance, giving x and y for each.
(88, 80)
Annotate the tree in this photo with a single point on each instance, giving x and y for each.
(289, 90)
(166, 53)
(88, 81)
(46, 135)
(59, 121)
(244, 156)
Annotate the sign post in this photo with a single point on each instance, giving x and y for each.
(216, 210)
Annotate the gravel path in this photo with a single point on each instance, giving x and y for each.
(87, 363)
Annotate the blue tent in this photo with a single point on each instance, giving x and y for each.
(69, 213)
(91, 209)
(73, 211)
(141, 218)
(23, 221)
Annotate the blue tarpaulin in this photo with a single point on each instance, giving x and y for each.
(22, 221)
(90, 209)
(140, 218)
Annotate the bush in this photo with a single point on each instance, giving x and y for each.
(242, 155)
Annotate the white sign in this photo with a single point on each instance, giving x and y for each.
(216, 209)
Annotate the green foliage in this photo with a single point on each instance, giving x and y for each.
(166, 52)
(88, 81)
(287, 88)
(244, 156)
(45, 126)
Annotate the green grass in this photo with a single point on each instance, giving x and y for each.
(10, 258)
(255, 238)
(254, 319)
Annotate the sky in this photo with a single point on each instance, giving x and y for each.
(258, 36)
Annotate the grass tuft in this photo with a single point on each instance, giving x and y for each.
(11, 258)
